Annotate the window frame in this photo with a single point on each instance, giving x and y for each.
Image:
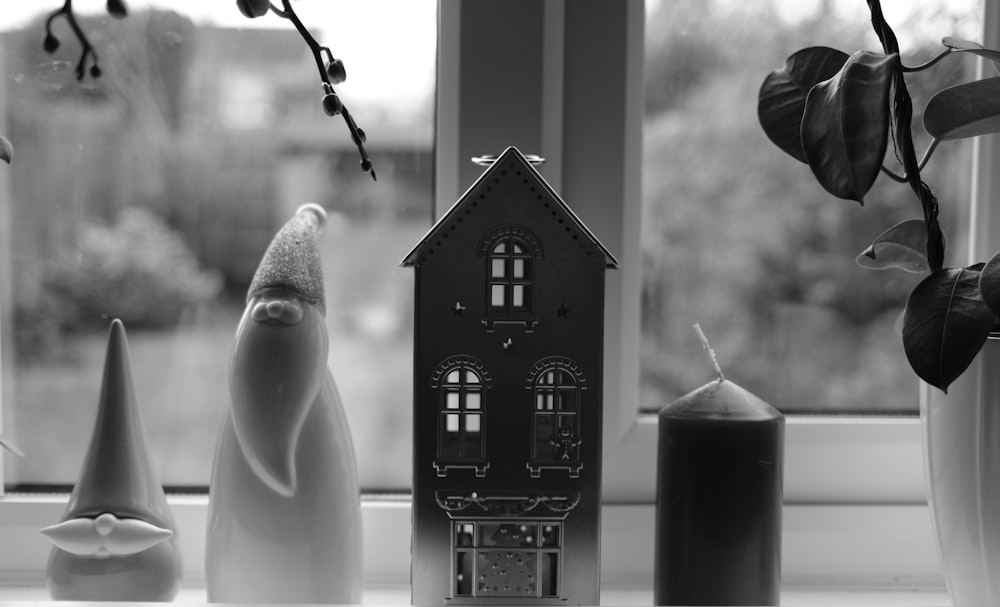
(462, 412)
(565, 82)
(585, 126)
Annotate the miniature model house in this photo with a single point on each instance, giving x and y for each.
(507, 406)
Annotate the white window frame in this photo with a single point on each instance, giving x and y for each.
(566, 84)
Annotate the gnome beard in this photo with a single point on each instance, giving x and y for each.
(279, 363)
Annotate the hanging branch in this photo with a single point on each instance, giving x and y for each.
(115, 8)
(331, 71)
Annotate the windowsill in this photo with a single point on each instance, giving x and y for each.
(790, 597)
(831, 555)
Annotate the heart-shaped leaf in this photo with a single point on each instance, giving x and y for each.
(989, 283)
(6, 150)
(945, 324)
(902, 246)
(845, 125)
(959, 45)
(782, 96)
(964, 110)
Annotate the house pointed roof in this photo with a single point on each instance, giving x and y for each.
(510, 157)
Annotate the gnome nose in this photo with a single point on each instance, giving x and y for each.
(281, 310)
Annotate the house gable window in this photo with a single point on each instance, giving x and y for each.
(510, 253)
(461, 383)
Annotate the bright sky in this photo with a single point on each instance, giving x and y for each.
(387, 46)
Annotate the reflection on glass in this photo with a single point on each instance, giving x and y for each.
(150, 194)
(739, 237)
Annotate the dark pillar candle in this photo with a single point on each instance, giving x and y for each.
(718, 499)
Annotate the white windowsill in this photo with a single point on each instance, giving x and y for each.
(624, 597)
(831, 554)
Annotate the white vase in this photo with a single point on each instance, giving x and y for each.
(961, 436)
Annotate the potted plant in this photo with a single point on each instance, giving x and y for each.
(837, 113)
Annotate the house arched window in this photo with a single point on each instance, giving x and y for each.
(510, 276)
(461, 384)
(556, 384)
(510, 252)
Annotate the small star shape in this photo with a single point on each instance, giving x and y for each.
(508, 346)
(457, 309)
(562, 311)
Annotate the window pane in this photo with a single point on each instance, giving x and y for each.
(518, 268)
(151, 192)
(498, 268)
(472, 423)
(451, 400)
(472, 400)
(518, 296)
(567, 400)
(739, 237)
(498, 296)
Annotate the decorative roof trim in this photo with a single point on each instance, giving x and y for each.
(416, 256)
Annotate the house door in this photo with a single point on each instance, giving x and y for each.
(507, 559)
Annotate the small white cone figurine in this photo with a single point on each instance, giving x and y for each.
(117, 538)
(284, 522)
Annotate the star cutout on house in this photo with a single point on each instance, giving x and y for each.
(458, 309)
(562, 311)
(507, 346)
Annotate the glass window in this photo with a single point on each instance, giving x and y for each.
(556, 409)
(740, 238)
(151, 192)
(461, 433)
(509, 281)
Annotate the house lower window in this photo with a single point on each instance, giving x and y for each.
(462, 419)
(555, 431)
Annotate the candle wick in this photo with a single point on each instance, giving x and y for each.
(711, 352)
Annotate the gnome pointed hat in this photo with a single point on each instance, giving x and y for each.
(118, 475)
(292, 260)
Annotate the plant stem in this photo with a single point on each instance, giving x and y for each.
(901, 114)
(923, 162)
(318, 52)
(88, 50)
(930, 62)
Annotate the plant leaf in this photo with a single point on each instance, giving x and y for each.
(945, 324)
(964, 110)
(782, 96)
(902, 246)
(959, 45)
(845, 125)
(6, 150)
(989, 283)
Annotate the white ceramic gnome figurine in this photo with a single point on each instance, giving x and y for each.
(284, 520)
(117, 540)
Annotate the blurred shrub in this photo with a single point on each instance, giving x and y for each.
(136, 269)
